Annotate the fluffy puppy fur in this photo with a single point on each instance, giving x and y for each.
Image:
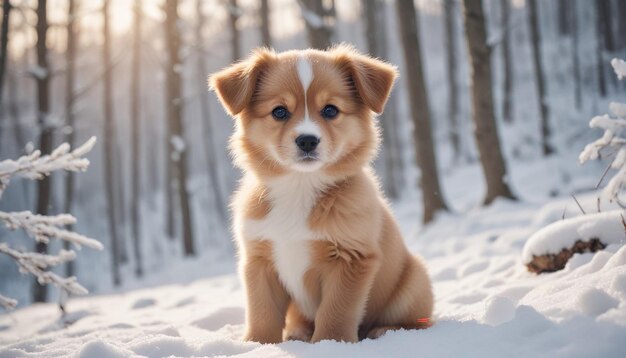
(321, 256)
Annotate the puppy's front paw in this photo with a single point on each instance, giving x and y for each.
(335, 336)
(261, 338)
(301, 333)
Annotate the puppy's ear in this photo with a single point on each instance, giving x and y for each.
(372, 78)
(235, 84)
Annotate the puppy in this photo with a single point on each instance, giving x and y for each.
(321, 256)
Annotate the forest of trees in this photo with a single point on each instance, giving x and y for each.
(133, 73)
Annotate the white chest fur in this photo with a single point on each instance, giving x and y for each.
(292, 197)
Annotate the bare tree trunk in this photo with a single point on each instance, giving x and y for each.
(13, 108)
(70, 59)
(109, 147)
(563, 12)
(575, 60)
(315, 17)
(45, 140)
(266, 38)
(602, 43)
(621, 24)
(604, 24)
(235, 41)
(120, 200)
(507, 96)
(535, 41)
(375, 36)
(175, 120)
(4, 43)
(420, 112)
(485, 129)
(135, 120)
(453, 97)
(207, 121)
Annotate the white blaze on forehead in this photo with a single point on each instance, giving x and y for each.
(305, 73)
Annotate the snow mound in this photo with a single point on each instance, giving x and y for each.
(499, 310)
(607, 227)
(595, 302)
(98, 348)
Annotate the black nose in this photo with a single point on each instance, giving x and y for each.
(307, 143)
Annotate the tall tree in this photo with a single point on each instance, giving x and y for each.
(45, 139)
(432, 196)
(600, 49)
(109, 144)
(70, 59)
(563, 17)
(4, 42)
(177, 147)
(135, 120)
(605, 27)
(207, 121)
(621, 23)
(376, 44)
(235, 41)
(507, 96)
(266, 38)
(452, 73)
(540, 81)
(575, 58)
(315, 14)
(485, 129)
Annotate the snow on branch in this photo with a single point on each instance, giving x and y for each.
(8, 303)
(620, 67)
(36, 264)
(41, 227)
(34, 166)
(613, 140)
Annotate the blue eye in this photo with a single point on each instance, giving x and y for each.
(330, 112)
(280, 113)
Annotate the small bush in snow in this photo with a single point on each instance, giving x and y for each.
(41, 228)
(612, 142)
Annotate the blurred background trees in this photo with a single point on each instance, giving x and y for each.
(523, 74)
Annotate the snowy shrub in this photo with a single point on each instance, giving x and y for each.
(611, 143)
(42, 228)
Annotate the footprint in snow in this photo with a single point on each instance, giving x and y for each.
(143, 303)
(469, 299)
(445, 274)
(473, 268)
(185, 302)
(221, 318)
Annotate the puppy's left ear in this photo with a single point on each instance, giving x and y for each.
(372, 78)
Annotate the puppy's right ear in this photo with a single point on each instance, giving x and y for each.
(235, 84)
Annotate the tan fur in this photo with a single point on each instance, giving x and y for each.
(361, 280)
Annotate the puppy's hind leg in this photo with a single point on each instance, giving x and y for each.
(297, 327)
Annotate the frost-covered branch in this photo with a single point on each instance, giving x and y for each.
(36, 264)
(40, 227)
(7, 303)
(620, 67)
(613, 138)
(35, 166)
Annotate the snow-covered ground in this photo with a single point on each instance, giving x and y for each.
(487, 303)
